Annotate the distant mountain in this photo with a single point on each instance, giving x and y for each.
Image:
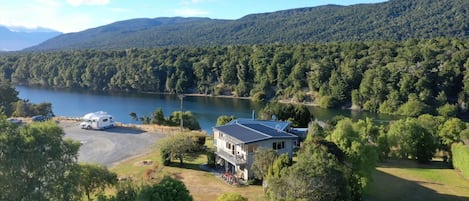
(18, 38)
(392, 20)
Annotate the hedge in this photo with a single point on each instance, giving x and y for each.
(461, 158)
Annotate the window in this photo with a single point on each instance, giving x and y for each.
(278, 145)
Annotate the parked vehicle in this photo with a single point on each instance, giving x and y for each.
(97, 120)
(38, 118)
(15, 120)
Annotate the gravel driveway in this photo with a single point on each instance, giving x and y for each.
(107, 147)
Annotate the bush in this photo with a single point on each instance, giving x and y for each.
(300, 97)
(413, 107)
(231, 197)
(189, 120)
(23, 108)
(326, 102)
(461, 158)
(201, 140)
(125, 192)
(448, 110)
(298, 115)
(259, 96)
(168, 189)
(211, 158)
(224, 119)
(165, 157)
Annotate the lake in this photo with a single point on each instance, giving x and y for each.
(76, 103)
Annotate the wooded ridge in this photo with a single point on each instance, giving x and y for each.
(394, 20)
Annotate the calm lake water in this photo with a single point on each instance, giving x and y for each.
(76, 103)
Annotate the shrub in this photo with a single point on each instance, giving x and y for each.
(165, 157)
(211, 158)
(461, 158)
(259, 96)
(168, 189)
(448, 110)
(231, 197)
(326, 102)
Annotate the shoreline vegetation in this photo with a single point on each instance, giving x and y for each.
(407, 78)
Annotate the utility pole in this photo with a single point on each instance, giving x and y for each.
(181, 97)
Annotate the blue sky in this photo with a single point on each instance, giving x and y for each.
(77, 15)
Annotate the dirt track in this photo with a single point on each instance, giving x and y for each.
(107, 147)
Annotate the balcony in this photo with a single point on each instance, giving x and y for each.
(234, 159)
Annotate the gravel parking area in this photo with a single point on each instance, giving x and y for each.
(107, 147)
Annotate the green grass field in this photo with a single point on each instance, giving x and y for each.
(394, 180)
(203, 186)
(404, 180)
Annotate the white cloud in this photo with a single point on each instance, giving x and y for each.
(88, 2)
(31, 15)
(54, 14)
(190, 12)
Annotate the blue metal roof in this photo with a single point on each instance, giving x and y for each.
(278, 125)
(273, 133)
(248, 133)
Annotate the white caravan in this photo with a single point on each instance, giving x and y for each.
(97, 120)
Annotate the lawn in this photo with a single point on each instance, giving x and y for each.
(407, 180)
(203, 186)
(400, 180)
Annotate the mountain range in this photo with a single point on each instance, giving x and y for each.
(394, 20)
(18, 38)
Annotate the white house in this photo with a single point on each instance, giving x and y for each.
(236, 142)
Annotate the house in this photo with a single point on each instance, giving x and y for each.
(279, 125)
(236, 142)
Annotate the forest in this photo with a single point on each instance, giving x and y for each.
(394, 20)
(409, 78)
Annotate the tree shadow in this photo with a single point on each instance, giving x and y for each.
(185, 165)
(403, 163)
(388, 187)
(124, 130)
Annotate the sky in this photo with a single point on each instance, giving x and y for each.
(77, 15)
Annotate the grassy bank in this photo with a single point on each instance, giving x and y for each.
(203, 186)
(407, 180)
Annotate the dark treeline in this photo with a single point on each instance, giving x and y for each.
(390, 20)
(411, 77)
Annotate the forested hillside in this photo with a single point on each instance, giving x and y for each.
(411, 77)
(395, 20)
